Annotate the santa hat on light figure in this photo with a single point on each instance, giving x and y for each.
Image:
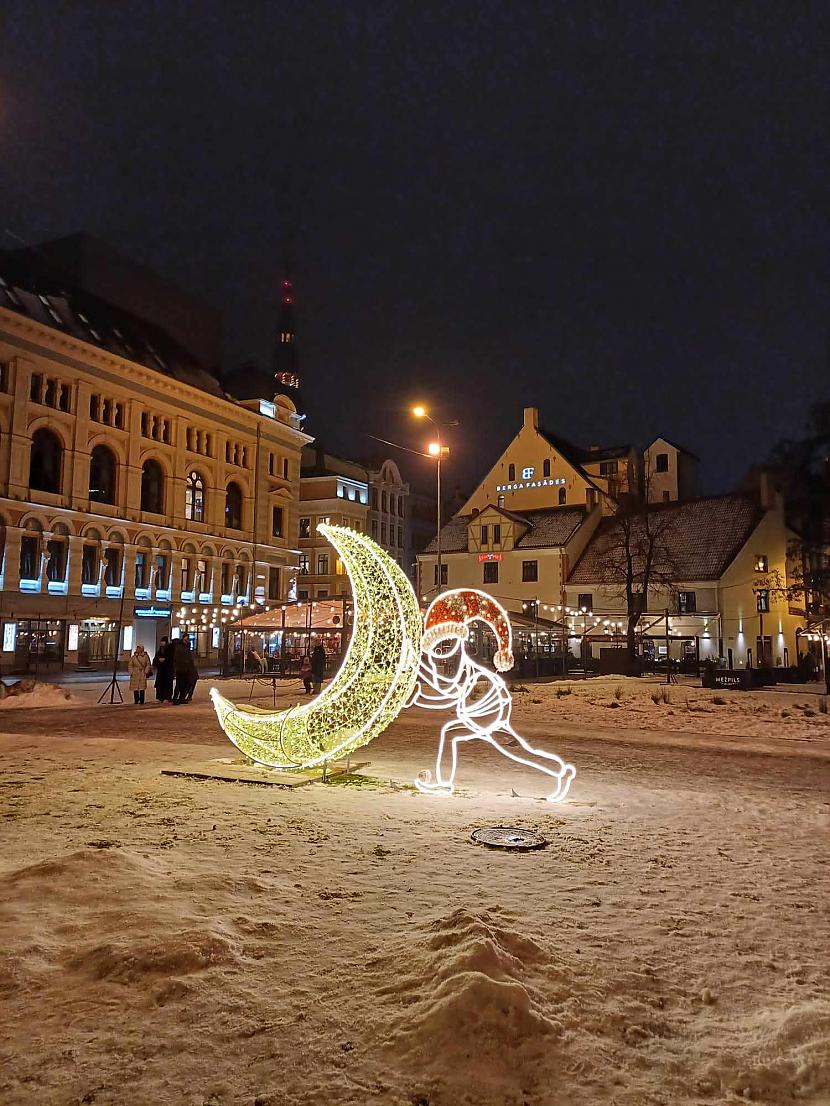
(450, 615)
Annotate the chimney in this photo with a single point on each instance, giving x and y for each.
(531, 418)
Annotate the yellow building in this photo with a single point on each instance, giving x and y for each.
(131, 485)
(332, 489)
(535, 534)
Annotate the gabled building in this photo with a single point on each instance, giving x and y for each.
(535, 534)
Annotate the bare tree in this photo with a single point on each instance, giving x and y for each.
(636, 551)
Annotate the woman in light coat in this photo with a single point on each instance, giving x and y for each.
(139, 668)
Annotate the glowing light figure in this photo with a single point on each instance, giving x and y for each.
(479, 697)
(372, 684)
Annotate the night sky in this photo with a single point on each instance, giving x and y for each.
(614, 212)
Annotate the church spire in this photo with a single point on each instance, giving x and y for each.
(286, 367)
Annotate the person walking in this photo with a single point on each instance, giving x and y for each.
(305, 673)
(186, 674)
(318, 666)
(139, 668)
(163, 662)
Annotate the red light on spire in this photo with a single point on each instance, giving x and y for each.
(286, 284)
(287, 299)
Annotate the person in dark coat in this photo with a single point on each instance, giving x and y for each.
(165, 671)
(318, 667)
(186, 674)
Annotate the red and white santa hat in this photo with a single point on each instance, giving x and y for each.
(451, 613)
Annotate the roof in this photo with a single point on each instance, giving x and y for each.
(33, 291)
(703, 535)
(316, 462)
(674, 445)
(548, 527)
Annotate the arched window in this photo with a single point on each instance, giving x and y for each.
(511, 472)
(102, 471)
(45, 461)
(233, 506)
(194, 501)
(152, 487)
(563, 496)
(546, 467)
(383, 501)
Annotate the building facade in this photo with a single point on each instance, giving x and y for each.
(345, 493)
(131, 486)
(535, 534)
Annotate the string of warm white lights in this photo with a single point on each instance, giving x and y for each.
(372, 684)
(480, 698)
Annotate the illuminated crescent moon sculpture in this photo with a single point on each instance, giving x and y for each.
(370, 688)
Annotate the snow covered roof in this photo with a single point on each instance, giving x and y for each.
(33, 292)
(545, 528)
(704, 536)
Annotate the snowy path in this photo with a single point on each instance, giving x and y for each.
(169, 941)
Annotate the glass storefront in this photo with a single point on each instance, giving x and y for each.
(97, 641)
(39, 644)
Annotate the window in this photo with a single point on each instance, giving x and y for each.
(35, 387)
(497, 534)
(56, 565)
(102, 469)
(194, 498)
(383, 502)
(500, 501)
(89, 565)
(225, 578)
(152, 487)
(667, 497)
(233, 506)
(374, 499)
(305, 527)
(273, 582)
(585, 601)
(761, 562)
(530, 571)
(608, 468)
(304, 564)
(511, 472)
(186, 574)
(661, 462)
(546, 467)
(383, 532)
(45, 461)
(162, 571)
(285, 468)
(322, 593)
(563, 497)
(443, 575)
(112, 569)
(29, 557)
(485, 535)
(762, 600)
(322, 564)
(276, 522)
(375, 529)
(686, 602)
(400, 535)
(491, 572)
(141, 570)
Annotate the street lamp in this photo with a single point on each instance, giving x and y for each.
(436, 450)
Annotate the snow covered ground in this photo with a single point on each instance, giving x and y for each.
(166, 940)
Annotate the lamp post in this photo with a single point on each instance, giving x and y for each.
(436, 450)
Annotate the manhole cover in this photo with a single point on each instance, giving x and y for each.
(508, 837)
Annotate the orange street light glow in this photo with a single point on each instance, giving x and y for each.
(434, 449)
(419, 411)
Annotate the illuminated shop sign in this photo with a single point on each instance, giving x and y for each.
(152, 612)
(9, 637)
(545, 482)
(489, 557)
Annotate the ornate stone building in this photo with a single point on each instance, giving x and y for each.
(131, 486)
